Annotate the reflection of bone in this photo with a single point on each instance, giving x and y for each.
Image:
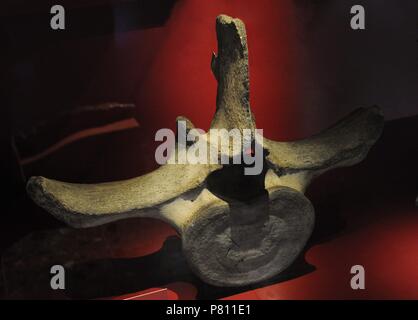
(235, 229)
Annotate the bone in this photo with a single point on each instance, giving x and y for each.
(230, 68)
(88, 205)
(343, 144)
(224, 252)
(236, 230)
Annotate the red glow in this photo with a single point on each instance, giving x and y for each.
(179, 80)
(387, 249)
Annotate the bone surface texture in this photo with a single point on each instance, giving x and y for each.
(235, 229)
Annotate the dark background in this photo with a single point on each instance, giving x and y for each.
(308, 68)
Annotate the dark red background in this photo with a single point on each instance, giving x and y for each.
(166, 70)
(307, 69)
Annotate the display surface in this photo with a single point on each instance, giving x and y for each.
(236, 229)
(116, 196)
